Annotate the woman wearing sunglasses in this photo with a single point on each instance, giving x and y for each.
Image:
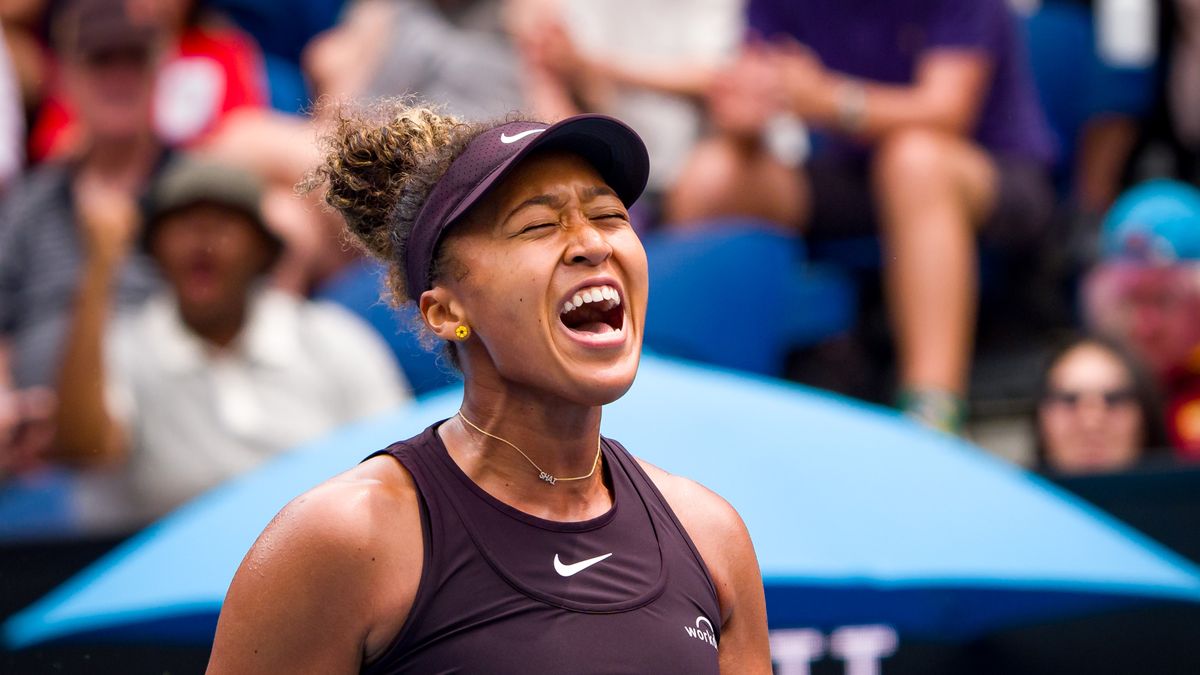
(1098, 410)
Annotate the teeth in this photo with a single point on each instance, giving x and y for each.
(607, 294)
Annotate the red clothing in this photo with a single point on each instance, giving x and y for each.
(212, 72)
(1183, 417)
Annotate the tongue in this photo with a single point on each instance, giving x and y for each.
(593, 327)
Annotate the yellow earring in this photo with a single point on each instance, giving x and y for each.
(462, 332)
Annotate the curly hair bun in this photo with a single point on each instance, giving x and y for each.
(381, 162)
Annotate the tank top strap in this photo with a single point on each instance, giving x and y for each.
(661, 509)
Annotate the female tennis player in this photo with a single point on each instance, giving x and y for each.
(512, 537)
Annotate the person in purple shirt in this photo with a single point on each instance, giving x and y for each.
(927, 127)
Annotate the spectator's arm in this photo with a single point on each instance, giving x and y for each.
(86, 432)
(8, 402)
(947, 94)
(682, 79)
(553, 48)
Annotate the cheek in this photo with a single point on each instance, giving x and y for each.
(1056, 425)
(1127, 424)
(506, 296)
(170, 251)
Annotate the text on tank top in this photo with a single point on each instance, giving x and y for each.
(505, 592)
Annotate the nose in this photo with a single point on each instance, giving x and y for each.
(587, 244)
(1092, 412)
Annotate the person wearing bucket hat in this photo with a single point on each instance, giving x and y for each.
(1145, 291)
(512, 537)
(220, 371)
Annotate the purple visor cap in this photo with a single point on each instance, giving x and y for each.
(616, 151)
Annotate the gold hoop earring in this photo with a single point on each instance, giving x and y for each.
(462, 332)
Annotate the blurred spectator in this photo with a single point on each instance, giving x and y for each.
(648, 63)
(23, 24)
(1098, 409)
(282, 31)
(930, 129)
(456, 53)
(210, 96)
(219, 372)
(206, 74)
(1146, 292)
(12, 120)
(108, 74)
(362, 288)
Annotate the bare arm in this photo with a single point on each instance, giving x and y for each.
(724, 544)
(682, 79)
(85, 432)
(947, 94)
(329, 582)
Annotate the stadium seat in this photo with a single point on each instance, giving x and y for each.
(1073, 82)
(740, 295)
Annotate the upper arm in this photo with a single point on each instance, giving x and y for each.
(309, 595)
(954, 82)
(724, 543)
(963, 43)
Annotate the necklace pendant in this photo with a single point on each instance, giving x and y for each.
(547, 477)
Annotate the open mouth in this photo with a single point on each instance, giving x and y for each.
(594, 310)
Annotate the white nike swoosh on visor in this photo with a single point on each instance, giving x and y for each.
(576, 568)
(505, 138)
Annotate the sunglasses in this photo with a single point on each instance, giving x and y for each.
(1112, 398)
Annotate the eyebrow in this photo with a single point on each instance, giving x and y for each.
(599, 191)
(539, 200)
(556, 201)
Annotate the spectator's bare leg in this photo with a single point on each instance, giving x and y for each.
(932, 190)
(1104, 146)
(728, 177)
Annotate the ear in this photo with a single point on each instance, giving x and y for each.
(442, 312)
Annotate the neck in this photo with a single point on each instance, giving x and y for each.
(559, 436)
(127, 162)
(217, 329)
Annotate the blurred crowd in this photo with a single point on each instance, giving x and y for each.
(173, 311)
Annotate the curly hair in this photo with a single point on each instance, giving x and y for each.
(382, 160)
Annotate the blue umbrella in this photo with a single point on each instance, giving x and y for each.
(857, 516)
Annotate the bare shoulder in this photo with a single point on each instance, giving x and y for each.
(724, 543)
(713, 524)
(686, 495)
(331, 578)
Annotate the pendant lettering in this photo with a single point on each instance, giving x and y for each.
(547, 477)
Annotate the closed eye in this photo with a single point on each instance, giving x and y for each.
(539, 226)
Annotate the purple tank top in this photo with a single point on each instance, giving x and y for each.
(504, 592)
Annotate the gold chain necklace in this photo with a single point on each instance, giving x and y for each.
(542, 475)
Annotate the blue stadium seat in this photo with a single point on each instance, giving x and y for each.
(740, 295)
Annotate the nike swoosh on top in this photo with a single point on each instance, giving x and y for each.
(576, 568)
(505, 138)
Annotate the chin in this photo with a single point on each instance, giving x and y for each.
(601, 386)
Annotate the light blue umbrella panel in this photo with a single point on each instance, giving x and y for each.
(857, 516)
